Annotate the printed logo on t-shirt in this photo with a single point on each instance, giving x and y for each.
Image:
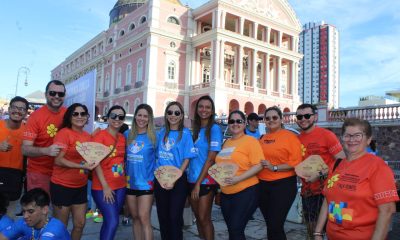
(303, 150)
(52, 130)
(339, 212)
(118, 170)
(226, 152)
(332, 180)
(48, 234)
(83, 171)
(214, 144)
(128, 178)
(114, 152)
(136, 146)
(168, 145)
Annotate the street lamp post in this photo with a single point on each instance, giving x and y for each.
(26, 71)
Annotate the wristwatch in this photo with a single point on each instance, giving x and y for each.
(275, 168)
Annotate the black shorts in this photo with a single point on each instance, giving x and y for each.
(65, 196)
(138, 193)
(311, 207)
(204, 189)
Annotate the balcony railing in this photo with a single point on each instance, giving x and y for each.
(379, 113)
(262, 91)
(232, 85)
(249, 88)
(200, 86)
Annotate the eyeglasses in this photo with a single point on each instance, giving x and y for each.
(273, 118)
(19, 109)
(176, 113)
(306, 116)
(54, 93)
(237, 121)
(355, 137)
(82, 114)
(115, 116)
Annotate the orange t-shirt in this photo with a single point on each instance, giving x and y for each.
(68, 139)
(114, 165)
(41, 128)
(320, 142)
(280, 147)
(13, 158)
(354, 191)
(245, 152)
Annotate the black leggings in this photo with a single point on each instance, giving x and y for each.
(276, 198)
(170, 204)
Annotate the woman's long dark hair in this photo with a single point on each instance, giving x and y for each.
(68, 114)
(167, 127)
(197, 119)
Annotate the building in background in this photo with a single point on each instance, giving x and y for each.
(377, 100)
(319, 68)
(241, 53)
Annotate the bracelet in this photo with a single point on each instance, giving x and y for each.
(318, 234)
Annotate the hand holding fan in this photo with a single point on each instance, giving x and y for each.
(92, 152)
(167, 176)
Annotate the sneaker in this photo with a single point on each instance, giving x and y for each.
(98, 219)
(89, 214)
(126, 221)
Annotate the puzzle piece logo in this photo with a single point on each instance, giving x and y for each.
(339, 212)
(118, 170)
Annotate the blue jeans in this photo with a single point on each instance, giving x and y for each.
(237, 210)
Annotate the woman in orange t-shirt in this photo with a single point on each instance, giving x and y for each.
(278, 182)
(361, 193)
(68, 183)
(239, 199)
(109, 182)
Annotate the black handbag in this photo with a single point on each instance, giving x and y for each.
(11, 183)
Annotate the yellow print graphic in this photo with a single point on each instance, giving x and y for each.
(303, 150)
(114, 152)
(332, 180)
(52, 130)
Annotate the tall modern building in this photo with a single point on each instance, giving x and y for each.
(241, 53)
(319, 69)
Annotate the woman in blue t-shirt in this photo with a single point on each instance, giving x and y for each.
(207, 137)
(174, 148)
(140, 161)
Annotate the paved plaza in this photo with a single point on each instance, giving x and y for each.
(256, 229)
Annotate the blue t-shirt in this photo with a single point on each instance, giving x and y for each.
(174, 152)
(202, 148)
(255, 134)
(54, 230)
(5, 221)
(140, 162)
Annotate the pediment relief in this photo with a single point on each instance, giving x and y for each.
(277, 10)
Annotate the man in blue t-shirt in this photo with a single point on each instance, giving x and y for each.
(5, 221)
(252, 128)
(36, 224)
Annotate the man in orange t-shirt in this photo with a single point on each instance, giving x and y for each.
(41, 128)
(11, 131)
(315, 141)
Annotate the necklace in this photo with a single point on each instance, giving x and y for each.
(41, 230)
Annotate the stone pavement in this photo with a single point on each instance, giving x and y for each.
(256, 229)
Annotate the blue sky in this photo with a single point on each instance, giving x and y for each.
(42, 33)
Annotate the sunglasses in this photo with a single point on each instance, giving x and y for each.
(306, 116)
(273, 118)
(176, 113)
(238, 121)
(54, 93)
(19, 109)
(82, 114)
(115, 116)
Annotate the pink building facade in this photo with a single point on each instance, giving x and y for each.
(241, 53)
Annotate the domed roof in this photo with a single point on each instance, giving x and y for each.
(123, 7)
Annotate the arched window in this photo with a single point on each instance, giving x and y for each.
(110, 40)
(139, 70)
(137, 103)
(107, 82)
(171, 71)
(121, 33)
(173, 20)
(143, 19)
(132, 26)
(206, 75)
(119, 78)
(128, 74)
(126, 106)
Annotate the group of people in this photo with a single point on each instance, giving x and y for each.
(355, 197)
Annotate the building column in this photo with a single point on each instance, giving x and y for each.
(223, 19)
(241, 25)
(268, 86)
(263, 36)
(253, 75)
(215, 54)
(279, 38)
(221, 79)
(279, 74)
(295, 79)
(237, 27)
(198, 27)
(240, 66)
(292, 43)
(213, 21)
(255, 26)
(268, 34)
